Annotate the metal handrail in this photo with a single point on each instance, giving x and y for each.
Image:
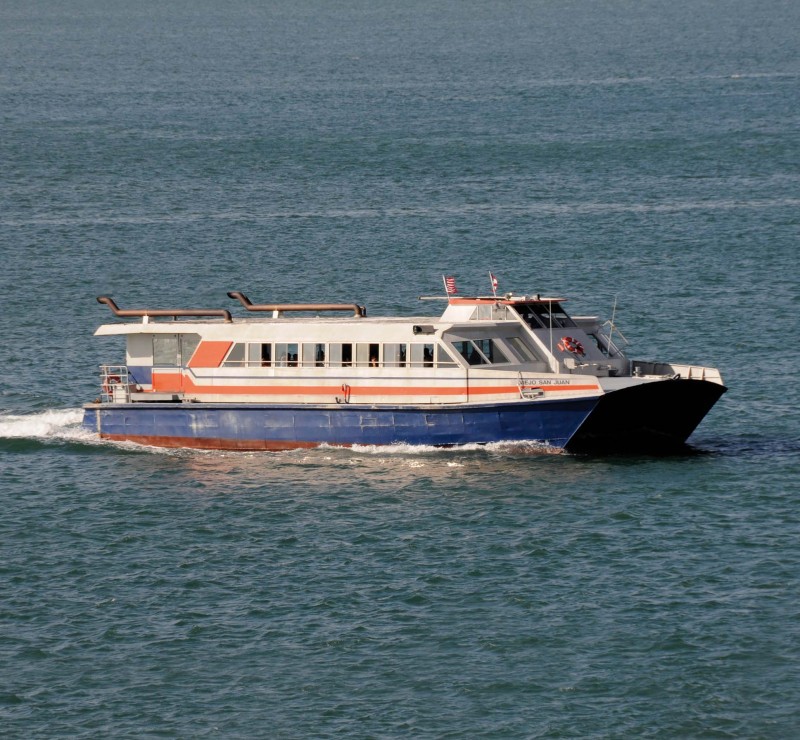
(358, 311)
(115, 386)
(173, 312)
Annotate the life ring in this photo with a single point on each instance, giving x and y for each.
(109, 383)
(570, 344)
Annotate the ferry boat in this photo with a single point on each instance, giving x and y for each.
(489, 369)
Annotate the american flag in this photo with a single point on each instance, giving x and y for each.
(450, 285)
(494, 282)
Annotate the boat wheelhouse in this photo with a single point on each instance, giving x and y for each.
(489, 369)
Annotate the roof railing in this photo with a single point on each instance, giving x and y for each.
(172, 312)
(278, 308)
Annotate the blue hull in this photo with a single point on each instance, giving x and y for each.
(286, 426)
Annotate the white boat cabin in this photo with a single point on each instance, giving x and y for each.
(480, 349)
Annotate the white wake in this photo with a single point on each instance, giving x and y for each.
(515, 447)
(53, 424)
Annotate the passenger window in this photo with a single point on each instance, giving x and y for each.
(491, 350)
(469, 352)
(235, 357)
(259, 355)
(462, 347)
(422, 355)
(367, 355)
(340, 355)
(443, 358)
(308, 358)
(394, 355)
(286, 355)
(320, 355)
(475, 357)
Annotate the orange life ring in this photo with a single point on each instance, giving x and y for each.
(570, 344)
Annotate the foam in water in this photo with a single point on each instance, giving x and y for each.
(60, 424)
(521, 446)
(65, 425)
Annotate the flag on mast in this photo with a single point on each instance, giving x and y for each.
(449, 284)
(493, 280)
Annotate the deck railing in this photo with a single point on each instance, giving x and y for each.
(115, 384)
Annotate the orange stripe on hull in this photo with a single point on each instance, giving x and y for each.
(189, 386)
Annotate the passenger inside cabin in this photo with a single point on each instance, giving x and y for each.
(427, 357)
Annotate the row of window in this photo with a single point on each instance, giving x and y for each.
(175, 350)
(300, 354)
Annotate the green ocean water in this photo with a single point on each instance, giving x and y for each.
(166, 153)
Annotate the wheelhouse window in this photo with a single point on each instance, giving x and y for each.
(543, 315)
(490, 312)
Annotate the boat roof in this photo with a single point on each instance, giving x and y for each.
(182, 320)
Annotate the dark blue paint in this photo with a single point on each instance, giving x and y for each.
(551, 422)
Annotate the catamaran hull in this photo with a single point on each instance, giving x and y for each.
(283, 427)
(655, 417)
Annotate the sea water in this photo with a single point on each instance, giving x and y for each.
(638, 158)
